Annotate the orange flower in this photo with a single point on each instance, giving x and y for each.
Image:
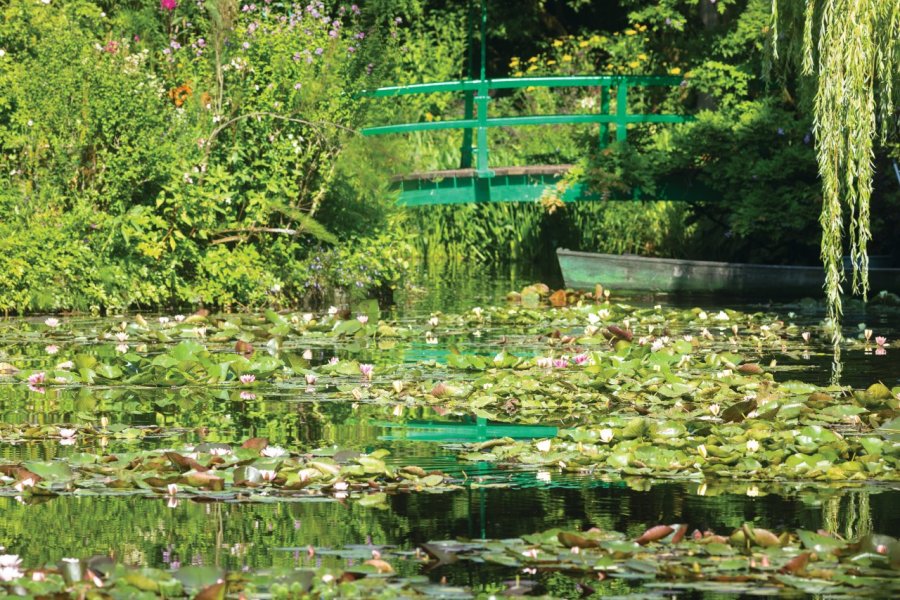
(180, 93)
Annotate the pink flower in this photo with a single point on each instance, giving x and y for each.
(366, 370)
(311, 379)
(560, 363)
(36, 378)
(362, 319)
(580, 359)
(168, 4)
(248, 378)
(881, 340)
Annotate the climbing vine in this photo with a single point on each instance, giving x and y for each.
(852, 49)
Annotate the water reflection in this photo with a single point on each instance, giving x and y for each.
(258, 535)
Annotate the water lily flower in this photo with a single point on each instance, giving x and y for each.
(248, 378)
(580, 359)
(51, 349)
(753, 491)
(179, 318)
(273, 451)
(307, 317)
(544, 362)
(25, 483)
(477, 311)
(51, 322)
(267, 474)
(362, 319)
(544, 445)
(67, 433)
(868, 334)
(606, 435)
(593, 319)
(247, 396)
(366, 370)
(307, 354)
(219, 451)
(721, 316)
(805, 335)
(10, 574)
(333, 360)
(533, 553)
(164, 320)
(430, 338)
(121, 336)
(881, 340)
(701, 449)
(657, 345)
(752, 446)
(38, 576)
(714, 409)
(433, 321)
(398, 410)
(311, 379)
(332, 310)
(37, 378)
(590, 330)
(172, 489)
(561, 363)
(397, 385)
(341, 486)
(122, 348)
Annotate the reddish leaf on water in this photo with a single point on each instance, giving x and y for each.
(255, 444)
(653, 534)
(796, 564)
(750, 369)
(243, 348)
(215, 591)
(381, 566)
(558, 298)
(184, 463)
(619, 333)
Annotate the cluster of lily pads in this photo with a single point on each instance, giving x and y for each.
(253, 471)
(750, 559)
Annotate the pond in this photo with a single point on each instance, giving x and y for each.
(140, 386)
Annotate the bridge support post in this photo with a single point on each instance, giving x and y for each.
(467, 141)
(621, 111)
(604, 110)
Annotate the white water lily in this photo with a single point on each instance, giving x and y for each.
(51, 322)
(267, 475)
(544, 445)
(593, 319)
(341, 486)
(311, 379)
(172, 489)
(307, 354)
(477, 311)
(701, 449)
(752, 446)
(332, 310)
(868, 334)
(721, 316)
(66, 432)
(606, 435)
(714, 409)
(433, 321)
(273, 451)
(219, 451)
(397, 385)
(10, 560)
(10, 574)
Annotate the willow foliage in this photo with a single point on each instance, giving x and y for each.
(852, 49)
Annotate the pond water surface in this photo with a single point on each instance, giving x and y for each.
(235, 535)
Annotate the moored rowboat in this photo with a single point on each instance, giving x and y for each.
(583, 270)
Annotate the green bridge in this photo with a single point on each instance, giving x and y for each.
(477, 180)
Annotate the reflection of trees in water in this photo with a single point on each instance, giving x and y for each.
(849, 515)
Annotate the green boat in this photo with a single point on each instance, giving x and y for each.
(583, 270)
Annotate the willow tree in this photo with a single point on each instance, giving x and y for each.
(852, 50)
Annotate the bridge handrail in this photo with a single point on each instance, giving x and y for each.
(477, 95)
(473, 85)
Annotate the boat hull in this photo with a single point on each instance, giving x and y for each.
(583, 270)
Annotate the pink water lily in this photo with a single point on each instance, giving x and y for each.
(248, 378)
(561, 363)
(881, 340)
(366, 370)
(37, 378)
(311, 379)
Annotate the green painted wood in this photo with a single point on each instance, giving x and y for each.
(478, 431)
(583, 270)
(523, 185)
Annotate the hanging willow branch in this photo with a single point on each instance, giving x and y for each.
(852, 49)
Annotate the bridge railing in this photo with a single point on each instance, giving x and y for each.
(478, 96)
